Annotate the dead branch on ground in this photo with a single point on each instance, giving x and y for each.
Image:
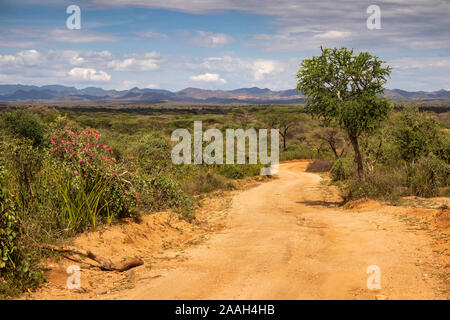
(103, 263)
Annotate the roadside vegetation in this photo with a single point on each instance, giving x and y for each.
(397, 153)
(66, 173)
(67, 170)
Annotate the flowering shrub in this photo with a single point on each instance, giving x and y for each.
(90, 181)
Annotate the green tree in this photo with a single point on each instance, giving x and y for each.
(415, 134)
(332, 137)
(345, 90)
(282, 118)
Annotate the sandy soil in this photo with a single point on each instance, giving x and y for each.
(283, 239)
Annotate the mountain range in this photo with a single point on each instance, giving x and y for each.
(254, 95)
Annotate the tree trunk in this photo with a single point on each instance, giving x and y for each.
(355, 144)
(334, 150)
(283, 135)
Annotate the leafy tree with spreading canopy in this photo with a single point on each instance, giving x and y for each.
(283, 118)
(346, 90)
(332, 137)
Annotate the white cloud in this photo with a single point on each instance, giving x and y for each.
(132, 64)
(261, 68)
(79, 36)
(22, 58)
(333, 34)
(4, 42)
(90, 58)
(147, 62)
(245, 72)
(256, 70)
(88, 75)
(152, 34)
(128, 84)
(208, 78)
(411, 23)
(75, 67)
(211, 40)
(421, 62)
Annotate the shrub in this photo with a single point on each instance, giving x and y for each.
(22, 162)
(153, 152)
(204, 182)
(428, 174)
(342, 169)
(383, 183)
(239, 171)
(415, 134)
(89, 182)
(297, 150)
(319, 165)
(166, 193)
(18, 267)
(24, 125)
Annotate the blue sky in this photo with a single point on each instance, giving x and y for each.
(226, 44)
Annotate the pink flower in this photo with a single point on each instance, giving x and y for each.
(75, 172)
(81, 160)
(126, 191)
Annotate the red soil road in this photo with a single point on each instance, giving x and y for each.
(284, 240)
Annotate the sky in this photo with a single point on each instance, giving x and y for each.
(216, 44)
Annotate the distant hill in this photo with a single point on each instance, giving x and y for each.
(254, 95)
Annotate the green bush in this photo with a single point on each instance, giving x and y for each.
(414, 134)
(89, 183)
(385, 183)
(18, 267)
(429, 174)
(166, 193)
(154, 154)
(22, 162)
(297, 150)
(408, 156)
(239, 171)
(23, 124)
(342, 169)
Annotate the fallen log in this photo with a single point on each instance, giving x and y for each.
(103, 263)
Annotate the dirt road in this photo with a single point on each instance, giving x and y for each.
(285, 240)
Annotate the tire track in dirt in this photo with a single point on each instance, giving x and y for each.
(283, 240)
